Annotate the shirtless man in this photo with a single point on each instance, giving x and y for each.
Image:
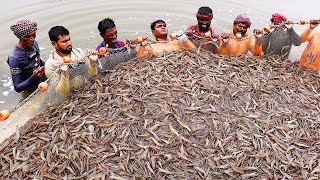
(160, 32)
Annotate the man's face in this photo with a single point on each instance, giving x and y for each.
(240, 28)
(28, 41)
(160, 30)
(277, 24)
(204, 23)
(110, 35)
(63, 45)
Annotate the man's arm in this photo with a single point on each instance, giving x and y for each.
(143, 51)
(58, 78)
(187, 44)
(18, 83)
(255, 46)
(223, 46)
(91, 61)
(307, 34)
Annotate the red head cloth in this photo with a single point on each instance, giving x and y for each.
(23, 28)
(242, 18)
(278, 18)
(204, 16)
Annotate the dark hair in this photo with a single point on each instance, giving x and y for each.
(205, 10)
(106, 23)
(57, 31)
(153, 24)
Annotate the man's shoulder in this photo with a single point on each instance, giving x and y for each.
(100, 45)
(192, 27)
(16, 55)
(78, 51)
(121, 43)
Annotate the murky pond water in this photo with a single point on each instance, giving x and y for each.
(132, 17)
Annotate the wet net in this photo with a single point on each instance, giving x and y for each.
(205, 43)
(116, 56)
(79, 76)
(185, 115)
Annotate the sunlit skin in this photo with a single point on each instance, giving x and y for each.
(110, 37)
(160, 32)
(240, 28)
(203, 24)
(27, 41)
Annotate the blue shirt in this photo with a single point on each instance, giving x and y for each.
(118, 44)
(22, 63)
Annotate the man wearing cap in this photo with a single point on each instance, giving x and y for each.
(310, 57)
(280, 38)
(26, 66)
(196, 32)
(239, 41)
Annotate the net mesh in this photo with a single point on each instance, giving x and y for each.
(79, 76)
(116, 56)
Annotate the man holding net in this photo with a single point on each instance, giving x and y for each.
(64, 75)
(196, 32)
(118, 52)
(280, 40)
(311, 54)
(26, 66)
(239, 42)
(162, 44)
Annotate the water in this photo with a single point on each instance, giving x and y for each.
(133, 18)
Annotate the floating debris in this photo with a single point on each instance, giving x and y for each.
(182, 115)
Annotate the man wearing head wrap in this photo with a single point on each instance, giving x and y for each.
(27, 68)
(281, 37)
(239, 42)
(196, 32)
(160, 31)
(310, 57)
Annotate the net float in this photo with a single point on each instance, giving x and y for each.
(141, 39)
(43, 86)
(302, 21)
(102, 50)
(207, 34)
(4, 114)
(238, 36)
(66, 59)
(266, 29)
(173, 36)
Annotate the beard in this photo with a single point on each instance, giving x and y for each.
(67, 50)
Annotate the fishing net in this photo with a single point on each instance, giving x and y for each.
(184, 115)
(208, 44)
(78, 76)
(116, 56)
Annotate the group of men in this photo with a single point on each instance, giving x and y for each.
(28, 70)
